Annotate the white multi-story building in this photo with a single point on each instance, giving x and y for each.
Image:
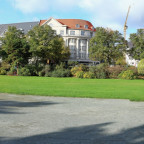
(76, 34)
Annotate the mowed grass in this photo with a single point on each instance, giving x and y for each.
(73, 87)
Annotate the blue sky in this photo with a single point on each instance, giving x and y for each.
(105, 13)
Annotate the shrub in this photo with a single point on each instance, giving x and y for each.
(9, 73)
(99, 71)
(133, 69)
(80, 68)
(80, 74)
(128, 75)
(61, 73)
(24, 72)
(60, 66)
(141, 67)
(72, 63)
(12, 71)
(46, 71)
(34, 69)
(75, 69)
(89, 75)
(2, 71)
(113, 72)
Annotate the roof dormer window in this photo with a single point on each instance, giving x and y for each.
(86, 26)
(77, 26)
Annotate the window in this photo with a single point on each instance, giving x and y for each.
(77, 25)
(61, 32)
(91, 34)
(83, 55)
(82, 33)
(72, 48)
(72, 32)
(83, 48)
(83, 41)
(72, 40)
(86, 26)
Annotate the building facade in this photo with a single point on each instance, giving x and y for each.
(76, 34)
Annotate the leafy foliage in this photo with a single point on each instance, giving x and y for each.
(2, 71)
(113, 72)
(79, 68)
(141, 67)
(128, 75)
(46, 46)
(80, 74)
(60, 71)
(15, 48)
(99, 71)
(88, 75)
(24, 72)
(106, 45)
(137, 39)
(121, 61)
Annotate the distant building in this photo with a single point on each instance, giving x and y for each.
(129, 59)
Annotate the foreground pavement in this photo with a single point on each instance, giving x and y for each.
(55, 120)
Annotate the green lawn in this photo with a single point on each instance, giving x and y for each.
(73, 87)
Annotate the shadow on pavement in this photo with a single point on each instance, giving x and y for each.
(93, 134)
(7, 107)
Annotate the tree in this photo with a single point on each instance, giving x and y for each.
(141, 67)
(137, 39)
(15, 49)
(106, 45)
(46, 46)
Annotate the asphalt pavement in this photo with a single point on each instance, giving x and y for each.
(59, 120)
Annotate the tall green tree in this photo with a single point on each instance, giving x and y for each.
(46, 46)
(15, 48)
(107, 46)
(137, 39)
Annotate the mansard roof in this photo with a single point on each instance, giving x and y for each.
(25, 26)
(71, 23)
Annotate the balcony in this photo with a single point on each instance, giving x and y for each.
(78, 35)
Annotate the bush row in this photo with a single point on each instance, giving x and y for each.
(101, 71)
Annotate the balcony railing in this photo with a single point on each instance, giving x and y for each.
(78, 35)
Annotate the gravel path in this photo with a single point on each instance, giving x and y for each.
(58, 120)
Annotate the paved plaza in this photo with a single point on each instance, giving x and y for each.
(58, 120)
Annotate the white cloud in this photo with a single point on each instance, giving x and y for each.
(30, 6)
(40, 6)
(107, 13)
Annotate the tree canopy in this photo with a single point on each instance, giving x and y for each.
(46, 46)
(15, 48)
(137, 39)
(106, 45)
